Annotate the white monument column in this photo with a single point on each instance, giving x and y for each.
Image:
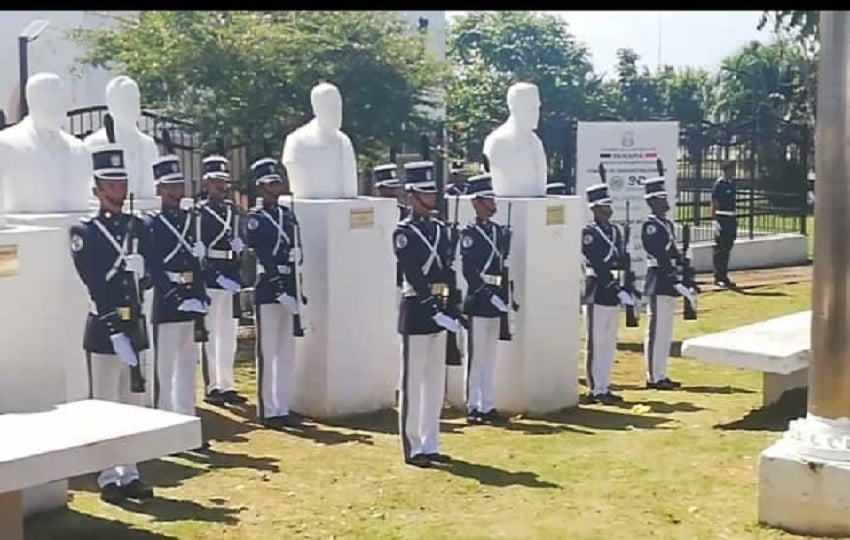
(804, 478)
(42, 169)
(536, 372)
(348, 361)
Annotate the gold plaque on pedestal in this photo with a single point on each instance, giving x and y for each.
(555, 215)
(362, 218)
(9, 261)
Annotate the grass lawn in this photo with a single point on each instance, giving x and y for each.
(686, 469)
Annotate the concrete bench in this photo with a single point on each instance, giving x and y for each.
(779, 348)
(77, 438)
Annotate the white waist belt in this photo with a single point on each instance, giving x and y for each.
(123, 311)
(724, 213)
(281, 268)
(653, 263)
(181, 278)
(437, 289)
(221, 254)
(490, 279)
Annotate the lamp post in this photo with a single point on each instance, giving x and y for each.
(27, 35)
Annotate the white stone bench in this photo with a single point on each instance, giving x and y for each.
(79, 438)
(779, 348)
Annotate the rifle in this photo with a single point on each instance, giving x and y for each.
(453, 353)
(506, 285)
(136, 326)
(201, 334)
(300, 299)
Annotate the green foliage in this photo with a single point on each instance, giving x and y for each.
(802, 26)
(247, 75)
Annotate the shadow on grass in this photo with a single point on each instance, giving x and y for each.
(703, 389)
(493, 476)
(601, 419)
(541, 428)
(74, 525)
(775, 417)
(220, 427)
(166, 510)
(222, 460)
(327, 437)
(754, 292)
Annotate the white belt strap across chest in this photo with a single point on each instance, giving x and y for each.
(278, 224)
(612, 247)
(120, 248)
(180, 236)
(494, 251)
(667, 229)
(434, 256)
(225, 223)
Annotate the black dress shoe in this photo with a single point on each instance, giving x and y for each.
(474, 417)
(215, 398)
(137, 490)
(663, 384)
(493, 417)
(233, 397)
(419, 460)
(437, 457)
(609, 398)
(112, 494)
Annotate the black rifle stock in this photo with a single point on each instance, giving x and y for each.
(629, 275)
(452, 301)
(506, 285)
(300, 299)
(689, 312)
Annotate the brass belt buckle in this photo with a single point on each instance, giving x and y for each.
(124, 313)
(186, 277)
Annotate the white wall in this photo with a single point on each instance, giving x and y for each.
(53, 51)
(759, 252)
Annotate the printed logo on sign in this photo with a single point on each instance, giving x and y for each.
(628, 139)
(616, 183)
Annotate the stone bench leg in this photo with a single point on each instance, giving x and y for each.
(775, 384)
(11, 516)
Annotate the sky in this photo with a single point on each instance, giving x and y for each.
(687, 38)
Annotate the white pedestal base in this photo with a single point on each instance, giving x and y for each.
(31, 314)
(803, 495)
(536, 372)
(71, 303)
(348, 361)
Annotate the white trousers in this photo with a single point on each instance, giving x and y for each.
(602, 323)
(109, 380)
(659, 334)
(480, 361)
(220, 350)
(275, 352)
(176, 355)
(423, 387)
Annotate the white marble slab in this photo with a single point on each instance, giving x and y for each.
(780, 345)
(77, 438)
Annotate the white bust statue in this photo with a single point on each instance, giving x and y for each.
(43, 169)
(140, 151)
(517, 159)
(318, 157)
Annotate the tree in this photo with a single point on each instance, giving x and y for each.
(489, 52)
(247, 75)
(801, 26)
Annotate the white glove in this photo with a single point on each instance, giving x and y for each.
(192, 305)
(237, 245)
(136, 264)
(198, 250)
(625, 298)
(124, 349)
(229, 284)
(498, 304)
(685, 292)
(452, 325)
(288, 302)
(295, 254)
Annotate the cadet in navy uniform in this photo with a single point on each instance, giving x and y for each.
(271, 233)
(602, 244)
(221, 242)
(179, 293)
(457, 186)
(422, 248)
(661, 286)
(723, 198)
(103, 253)
(482, 244)
(556, 188)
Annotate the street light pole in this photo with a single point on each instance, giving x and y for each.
(29, 34)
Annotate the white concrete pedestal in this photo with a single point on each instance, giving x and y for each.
(536, 372)
(804, 494)
(30, 316)
(348, 361)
